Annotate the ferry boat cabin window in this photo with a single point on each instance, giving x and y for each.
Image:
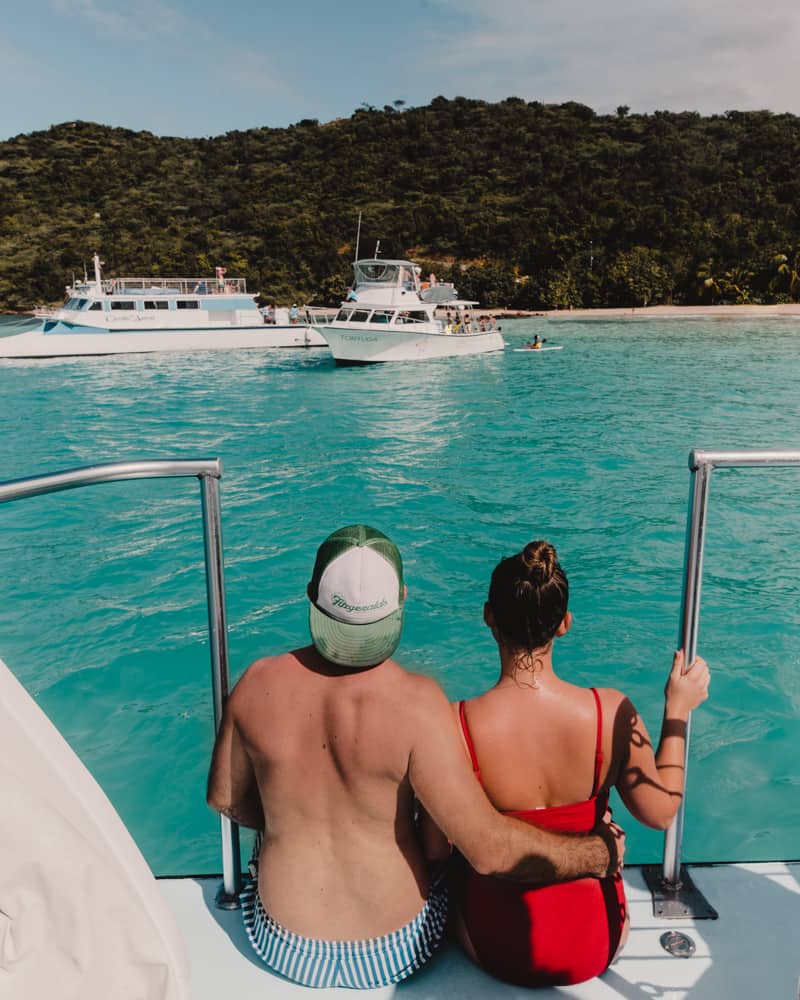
(95, 305)
(382, 316)
(358, 316)
(123, 305)
(187, 304)
(413, 316)
(150, 304)
(343, 315)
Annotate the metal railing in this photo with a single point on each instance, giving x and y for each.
(144, 286)
(209, 472)
(675, 884)
(674, 879)
(319, 314)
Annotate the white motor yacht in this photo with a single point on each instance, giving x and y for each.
(142, 315)
(391, 314)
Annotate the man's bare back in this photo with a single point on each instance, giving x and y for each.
(330, 751)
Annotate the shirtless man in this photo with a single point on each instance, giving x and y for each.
(326, 748)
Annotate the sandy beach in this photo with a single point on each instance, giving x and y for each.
(784, 310)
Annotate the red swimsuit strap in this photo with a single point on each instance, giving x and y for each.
(598, 748)
(462, 715)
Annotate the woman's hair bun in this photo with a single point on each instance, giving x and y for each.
(528, 595)
(539, 559)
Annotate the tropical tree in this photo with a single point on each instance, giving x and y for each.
(787, 275)
(707, 286)
(736, 284)
(554, 288)
(637, 277)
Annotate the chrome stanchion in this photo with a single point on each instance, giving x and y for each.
(209, 472)
(674, 894)
(228, 895)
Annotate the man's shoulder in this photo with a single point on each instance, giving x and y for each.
(269, 662)
(423, 690)
(273, 666)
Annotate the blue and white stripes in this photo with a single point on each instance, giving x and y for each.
(363, 964)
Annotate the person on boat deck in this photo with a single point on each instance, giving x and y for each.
(324, 749)
(351, 296)
(268, 313)
(294, 313)
(538, 746)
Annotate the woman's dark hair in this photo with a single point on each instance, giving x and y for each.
(528, 596)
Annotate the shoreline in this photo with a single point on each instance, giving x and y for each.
(780, 310)
(784, 309)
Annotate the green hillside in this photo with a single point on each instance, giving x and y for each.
(521, 204)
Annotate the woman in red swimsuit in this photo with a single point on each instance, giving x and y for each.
(547, 752)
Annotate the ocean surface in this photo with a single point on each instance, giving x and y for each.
(102, 598)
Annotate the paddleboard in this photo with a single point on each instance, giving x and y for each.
(537, 350)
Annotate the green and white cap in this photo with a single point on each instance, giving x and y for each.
(356, 593)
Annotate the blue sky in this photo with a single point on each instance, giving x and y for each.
(176, 67)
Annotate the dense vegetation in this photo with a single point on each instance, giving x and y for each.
(523, 205)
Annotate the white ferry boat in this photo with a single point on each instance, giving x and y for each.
(142, 315)
(82, 916)
(392, 315)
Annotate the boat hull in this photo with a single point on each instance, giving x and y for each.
(56, 340)
(351, 346)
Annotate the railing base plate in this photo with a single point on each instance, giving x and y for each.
(225, 901)
(677, 902)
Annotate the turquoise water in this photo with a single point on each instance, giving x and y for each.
(102, 600)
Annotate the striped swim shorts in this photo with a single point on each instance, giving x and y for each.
(364, 964)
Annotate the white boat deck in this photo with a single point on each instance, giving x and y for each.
(752, 952)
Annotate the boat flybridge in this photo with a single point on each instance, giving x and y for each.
(82, 915)
(142, 315)
(391, 314)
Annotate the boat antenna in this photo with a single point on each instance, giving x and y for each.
(358, 236)
(97, 263)
(377, 248)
